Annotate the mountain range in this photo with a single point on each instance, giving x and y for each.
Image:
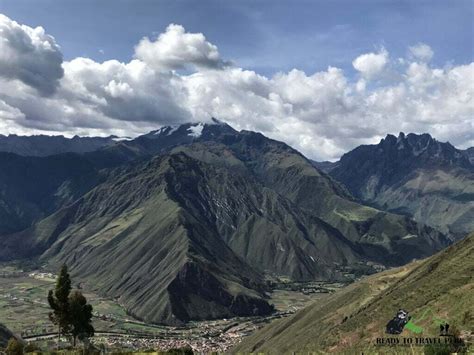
(416, 175)
(187, 222)
(42, 145)
(434, 290)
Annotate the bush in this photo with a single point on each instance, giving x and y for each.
(14, 347)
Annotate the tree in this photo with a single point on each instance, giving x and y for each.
(59, 302)
(14, 347)
(81, 317)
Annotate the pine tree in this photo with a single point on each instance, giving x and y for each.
(81, 317)
(59, 302)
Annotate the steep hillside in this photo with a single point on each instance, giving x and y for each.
(437, 289)
(469, 152)
(131, 239)
(31, 188)
(416, 175)
(385, 237)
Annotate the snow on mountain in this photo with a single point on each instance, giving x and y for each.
(196, 130)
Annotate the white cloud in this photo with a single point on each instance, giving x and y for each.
(29, 55)
(176, 49)
(371, 64)
(323, 114)
(421, 52)
(125, 91)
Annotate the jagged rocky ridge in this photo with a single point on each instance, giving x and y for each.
(416, 175)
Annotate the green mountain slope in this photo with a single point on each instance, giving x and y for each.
(384, 237)
(192, 232)
(431, 181)
(130, 239)
(439, 288)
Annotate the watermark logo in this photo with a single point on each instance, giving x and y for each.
(403, 320)
(414, 335)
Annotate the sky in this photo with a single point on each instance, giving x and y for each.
(323, 76)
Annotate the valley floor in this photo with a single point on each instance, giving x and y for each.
(24, 310)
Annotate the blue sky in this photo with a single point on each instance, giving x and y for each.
(266, 36)
(323, 76)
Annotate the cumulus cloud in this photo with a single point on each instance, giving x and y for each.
(29, 55)
(322, 114)
(125, 91)
(421, 52)
(176, 49)
(371, 64)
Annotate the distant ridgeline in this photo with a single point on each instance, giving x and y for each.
(40, 146)
(186, 222)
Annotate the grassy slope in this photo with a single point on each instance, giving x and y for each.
(448, 193)
(265, 229)
(440, 286)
